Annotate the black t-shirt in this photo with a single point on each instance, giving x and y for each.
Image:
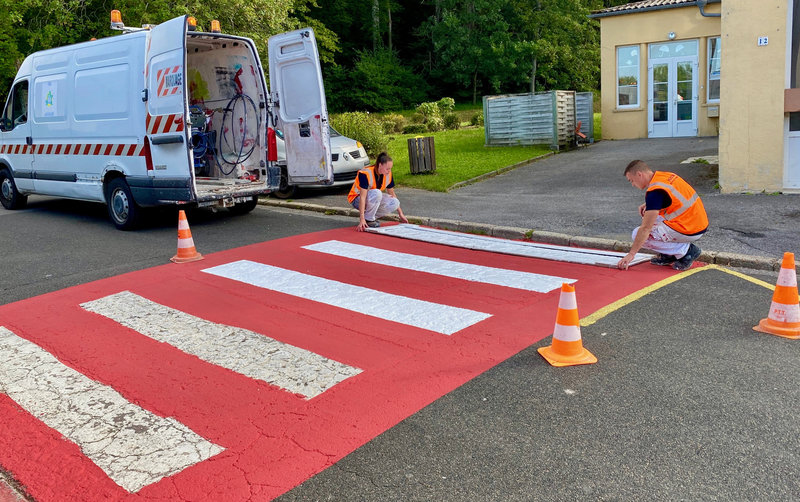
(656, 200)
(363, 181)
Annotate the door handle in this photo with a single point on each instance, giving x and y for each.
(28, 140)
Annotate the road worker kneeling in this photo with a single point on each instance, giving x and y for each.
(373, 193)
(673, 217)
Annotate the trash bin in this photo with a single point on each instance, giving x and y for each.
(422, 155)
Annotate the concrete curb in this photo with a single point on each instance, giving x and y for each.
(526, 234)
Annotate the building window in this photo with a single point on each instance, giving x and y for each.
(628, 76)
(714, 53)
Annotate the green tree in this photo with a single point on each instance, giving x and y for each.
(469, 40)
(33, 25)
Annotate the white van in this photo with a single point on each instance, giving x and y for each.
(164, 115)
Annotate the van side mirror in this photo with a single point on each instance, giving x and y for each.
(6, 124)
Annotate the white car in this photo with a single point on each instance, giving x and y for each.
(347, 156)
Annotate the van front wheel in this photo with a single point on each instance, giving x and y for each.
(122, 209)
(9, 196)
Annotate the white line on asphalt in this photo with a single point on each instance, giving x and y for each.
(442, 319)
(467, 271)
(133, 446)
(505, 246)
(245, 352)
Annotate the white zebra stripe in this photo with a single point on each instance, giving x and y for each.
(133, 446)
(519, 248)
(435, 317)
(466, 271)
(245, 352)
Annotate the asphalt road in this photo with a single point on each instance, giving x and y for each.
(56, 243)
(685, 403)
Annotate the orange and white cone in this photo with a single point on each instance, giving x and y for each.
(784, 313)
(567, 348)
(186, 249)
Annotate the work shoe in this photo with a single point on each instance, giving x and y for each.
(663, 259)
(686, 262)
(373, 223)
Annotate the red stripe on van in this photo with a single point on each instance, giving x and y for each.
(119, 150)
(157, 125)
(39, 149)
(158, 74)
(49, 149)
(108, 149)
(131, 151)
(168, 123)
(58, 149)
(148, 123)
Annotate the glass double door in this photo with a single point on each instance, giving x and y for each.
(672, 100)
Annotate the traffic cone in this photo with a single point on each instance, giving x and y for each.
(567, 348)
(784, 313)
(186, 249)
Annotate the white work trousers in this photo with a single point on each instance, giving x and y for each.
(665, 240)
(378, 204)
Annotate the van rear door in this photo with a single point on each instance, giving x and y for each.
(165, 77)
(299, 99)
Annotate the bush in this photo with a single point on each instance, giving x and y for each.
(393, 122)
(415, 129)
(446, 105)
(452, 121)
(362, 127)
(477, 119)
(435, 124)
(428, 110)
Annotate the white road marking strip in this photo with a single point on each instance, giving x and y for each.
(245, 352)
(467, 271)
(505, 246)
(442, 319)
(133, 446)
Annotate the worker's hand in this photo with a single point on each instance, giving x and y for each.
(362, 225)
(641, 210)
(403, 219)
(625, 261)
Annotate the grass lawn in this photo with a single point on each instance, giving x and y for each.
(460, 155)
(598, 127)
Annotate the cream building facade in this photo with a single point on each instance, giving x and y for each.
(672, 68)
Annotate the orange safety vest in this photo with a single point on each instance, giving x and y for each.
(355, 190)
(686, 214)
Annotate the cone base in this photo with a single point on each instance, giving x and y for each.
(185, 259)
(767, 325)
(584, 357)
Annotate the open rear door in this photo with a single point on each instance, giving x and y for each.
(298, 97)
(166, 105)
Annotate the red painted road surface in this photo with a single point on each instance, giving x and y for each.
(275, 440)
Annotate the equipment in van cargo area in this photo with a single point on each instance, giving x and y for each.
(164, 115)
